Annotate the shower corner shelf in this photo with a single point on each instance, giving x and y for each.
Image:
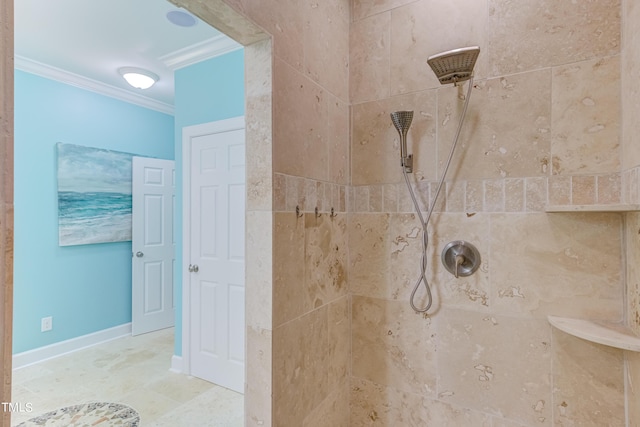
(594, 208)
(607, 333)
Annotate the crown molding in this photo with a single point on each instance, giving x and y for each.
(206, 49)
(58, 74)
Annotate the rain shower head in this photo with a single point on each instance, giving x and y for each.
(454, 66)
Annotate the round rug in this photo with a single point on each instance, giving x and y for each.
(99, 414)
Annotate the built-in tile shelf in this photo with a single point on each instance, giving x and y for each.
(608, 333)
(593, 208)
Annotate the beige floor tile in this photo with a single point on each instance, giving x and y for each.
(133, 371)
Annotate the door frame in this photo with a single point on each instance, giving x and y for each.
(188, 133)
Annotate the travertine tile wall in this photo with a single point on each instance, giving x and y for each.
(630, 166)
(543, 127)
(308, 305)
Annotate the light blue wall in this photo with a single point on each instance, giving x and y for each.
(85, 288)
(205, 92)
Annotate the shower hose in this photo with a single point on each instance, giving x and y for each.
(425, 235)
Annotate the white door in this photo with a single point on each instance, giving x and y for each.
(214, 252)
(152, 245)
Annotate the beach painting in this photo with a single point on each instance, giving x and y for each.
(94, 195)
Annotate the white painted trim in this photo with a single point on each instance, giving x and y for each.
(188, 133)
(63, 76)
(206, 49)
(176, 364)
(37, 355)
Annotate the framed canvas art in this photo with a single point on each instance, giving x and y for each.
(94, 195)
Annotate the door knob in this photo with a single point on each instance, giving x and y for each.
(193, 268)
(139, 254)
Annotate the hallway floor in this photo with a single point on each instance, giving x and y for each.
(133, 371)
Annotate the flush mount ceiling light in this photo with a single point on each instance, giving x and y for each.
(181, 18)
(138, 78)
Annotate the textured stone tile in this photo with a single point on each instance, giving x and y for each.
(394, 346)
(586, 117)
(258, 280)
(284, 21)
(413, 27)
(375, 146)
(288, 268)
(362, 8)
(325, 260)
(494, 143)
(223, 402)
(390, 198)
(259, 169)
(361, 196)
(375, 198)
(536, 194)
(405, 240)
(455, 196)
(477, 371)
(279, 192)
(339, 141)
(258, 373)
(474, 196)
(300, 129)
(559, 190)
(532, 34)
(326, 45)
(339, 332)
(562, 264)
(609, 189)
(630, 64)
(376, 405)
(633, 387)
(369, 51)
(632, 253)
(514, 194)
(494, 195)
(369, 254)
(333, 411)
(588, 382)
(300, 367)
(583, 190)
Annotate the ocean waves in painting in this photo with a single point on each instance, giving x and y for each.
(93, 217)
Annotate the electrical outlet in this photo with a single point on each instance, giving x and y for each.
(46, 324)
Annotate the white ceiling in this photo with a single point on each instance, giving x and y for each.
(84, 42)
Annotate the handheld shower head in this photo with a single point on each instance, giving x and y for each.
(402, 121)
(454, 66)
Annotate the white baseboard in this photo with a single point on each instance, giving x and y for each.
(20, 360)
(176, 364)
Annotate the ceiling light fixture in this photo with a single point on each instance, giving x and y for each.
(138, 78)
(181, 18)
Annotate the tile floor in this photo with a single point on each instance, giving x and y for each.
(133, 371)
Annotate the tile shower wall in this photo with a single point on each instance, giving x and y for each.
(310, 321)
(630, 166)
(544, 126)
